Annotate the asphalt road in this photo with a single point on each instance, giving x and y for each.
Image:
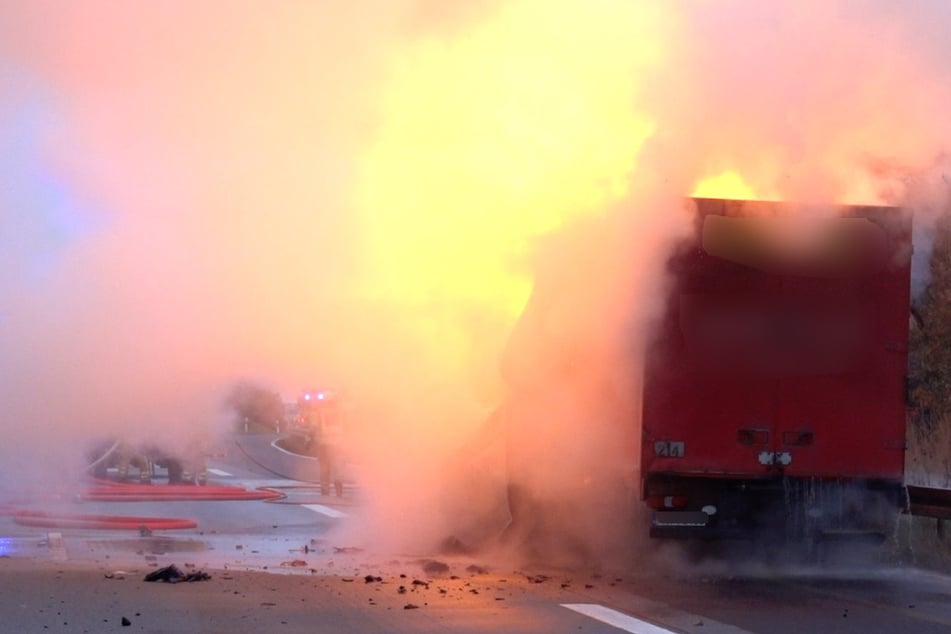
(315, 581)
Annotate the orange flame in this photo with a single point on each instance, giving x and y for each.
(491, 140)
(729, 184)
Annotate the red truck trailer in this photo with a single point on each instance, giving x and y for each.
(774, 387)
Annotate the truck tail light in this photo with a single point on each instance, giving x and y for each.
(752, 436)
(662, 502)
(798, 438)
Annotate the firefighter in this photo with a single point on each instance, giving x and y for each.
(128, 456)
(323, 416)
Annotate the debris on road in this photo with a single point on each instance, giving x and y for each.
(172, 574)
(410, 606)
(372, 579)
(295, 563)
(454, 546)
(347, 550)
(126, 622)
(434, 567)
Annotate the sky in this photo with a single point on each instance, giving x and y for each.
(358, 195)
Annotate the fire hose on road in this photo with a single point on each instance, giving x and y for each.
(111, 492)
(103, 491)
(86, 520)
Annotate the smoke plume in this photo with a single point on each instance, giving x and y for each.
(362, 195)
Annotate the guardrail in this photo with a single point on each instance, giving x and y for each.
(929, 502)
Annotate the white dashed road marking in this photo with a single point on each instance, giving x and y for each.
(219, 472)
(326, 510)
(616, 619)
(57, 546)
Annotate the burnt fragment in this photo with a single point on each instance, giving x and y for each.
(172, 574)
(434, 567)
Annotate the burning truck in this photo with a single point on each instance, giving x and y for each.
(772, 390)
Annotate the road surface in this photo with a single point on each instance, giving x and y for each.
(287, 567)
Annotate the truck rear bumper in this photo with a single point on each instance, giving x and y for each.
(693, 525)
(793, 509)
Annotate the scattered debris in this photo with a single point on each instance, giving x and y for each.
(477, 570)
(371, 579)
(401, 590)
(347, 579)
(537, 578)
(145, 531)
(419, 582)
(410, 606)
(434, 567)
(296, 563)
(126, 622)
(346, 550)
(588, 586)
(172, 574)
(454, 546)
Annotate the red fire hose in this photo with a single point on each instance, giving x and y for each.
(84, 520)
(172, 492)
(105, 491)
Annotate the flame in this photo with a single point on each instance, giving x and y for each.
(490, 140)
(729, 184)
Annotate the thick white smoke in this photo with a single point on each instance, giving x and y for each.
(194, 193)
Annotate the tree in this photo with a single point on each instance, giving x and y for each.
(255, 405)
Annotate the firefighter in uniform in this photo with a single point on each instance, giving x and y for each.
(322, 413)
(128, 456)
